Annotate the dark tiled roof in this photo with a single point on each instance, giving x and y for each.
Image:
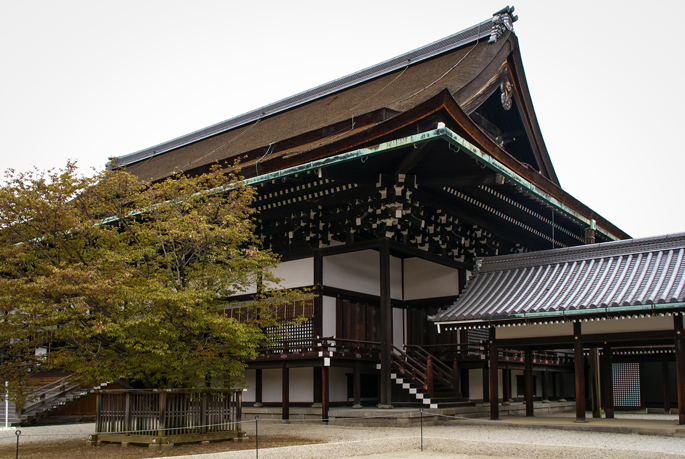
(624, 273)
(452, 42)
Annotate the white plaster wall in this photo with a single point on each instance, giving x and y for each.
(476, 384)
(295, 273)
(423, 279)
(302, 385)
(399, 331)
(530, 331)
(250, 382)
(328, 318)
(360, 272)
(357, 271)
(338, 384)
(627, 325)
(271, 386)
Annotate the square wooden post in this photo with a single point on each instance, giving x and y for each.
(607, 380)
(545, 386)
(506, 386)
(357, 384)
(494, 382)
(258, 388)
(528, 375)
(386, 325)
(325, 393)
(285, 392)
(680, 365)
(665, 384)
(579, 372)
(486, 383)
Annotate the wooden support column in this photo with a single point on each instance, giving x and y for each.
(680, 365)
(318, 391)
(579, 372)
(607, 380)
(386, 325)
(317, 322)
(562, 387)
(595, 383)
(357, 383)
(666, 381)
(456, 378)
(258, 388)
(285, 392)
(325, 391)
(494, 383)
(486, 383)
(506, 386)
(545, 386)
(528, 375)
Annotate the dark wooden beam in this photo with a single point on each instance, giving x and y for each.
(413, 158)
(356, 381)
(665, 378)
(258, 388)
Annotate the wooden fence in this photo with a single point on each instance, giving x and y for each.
(167, 416)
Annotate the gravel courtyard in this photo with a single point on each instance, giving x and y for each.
(498, 440)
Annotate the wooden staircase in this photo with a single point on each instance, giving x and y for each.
(427, 381)
(45, 400)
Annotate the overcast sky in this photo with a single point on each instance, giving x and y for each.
(91, 79)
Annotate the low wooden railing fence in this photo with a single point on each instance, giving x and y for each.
(167, 416)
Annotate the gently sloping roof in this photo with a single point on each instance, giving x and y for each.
(585, 279)
(463, 64)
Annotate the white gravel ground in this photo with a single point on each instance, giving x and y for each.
(446, 442)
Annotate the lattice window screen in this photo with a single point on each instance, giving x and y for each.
(626, 378)
(298, 335)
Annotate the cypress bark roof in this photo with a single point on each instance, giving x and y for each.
(595, 278)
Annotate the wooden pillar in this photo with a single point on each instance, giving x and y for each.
(595, 383)
(666, 381)
(464, 343)
(607, 380)
(325, 391)
(562, 387)
(506, 386)
(579, 372)
(317, 321)
(494, 383)
(357, 383)
(285, 392)
(545, 386)
(486, 383)
(680, 366)
(386, 325)
(528, 375)
(318, 391)
(456, 378)
(258, 388)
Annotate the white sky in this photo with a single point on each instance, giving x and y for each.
(91, 79)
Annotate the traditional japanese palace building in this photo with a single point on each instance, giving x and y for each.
(383, 191)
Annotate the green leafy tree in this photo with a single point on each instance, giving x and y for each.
(130, 280)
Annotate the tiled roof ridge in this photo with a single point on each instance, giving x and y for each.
(454, 41)
(582, 252)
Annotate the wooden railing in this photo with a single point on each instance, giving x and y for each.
(312, 347)
(435, 370)
(159, 416)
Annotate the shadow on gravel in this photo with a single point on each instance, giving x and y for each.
(76, 448)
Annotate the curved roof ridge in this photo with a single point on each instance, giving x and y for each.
(582, 252)
(454, 41)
